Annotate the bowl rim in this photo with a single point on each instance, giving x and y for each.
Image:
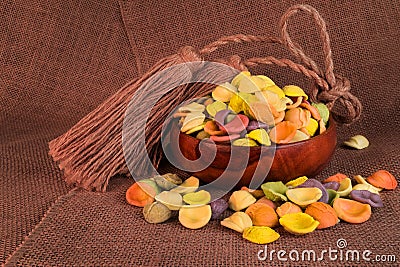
(225, 146)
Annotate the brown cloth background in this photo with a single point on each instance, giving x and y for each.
(60, 59)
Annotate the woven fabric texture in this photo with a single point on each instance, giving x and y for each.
(60, 59)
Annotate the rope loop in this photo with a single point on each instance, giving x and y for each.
(328, 88)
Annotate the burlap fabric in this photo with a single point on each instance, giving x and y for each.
(59, 60)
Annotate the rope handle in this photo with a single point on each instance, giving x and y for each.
(329, 88)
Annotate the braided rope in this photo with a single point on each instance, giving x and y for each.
(329, 89)
(91, 152)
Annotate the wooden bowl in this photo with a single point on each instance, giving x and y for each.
(260, 164)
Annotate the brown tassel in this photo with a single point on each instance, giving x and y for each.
(205, 77)
(92, 151)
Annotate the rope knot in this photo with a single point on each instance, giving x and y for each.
(340, 89)
(345, 107)
(191, 58)
(189, 54)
